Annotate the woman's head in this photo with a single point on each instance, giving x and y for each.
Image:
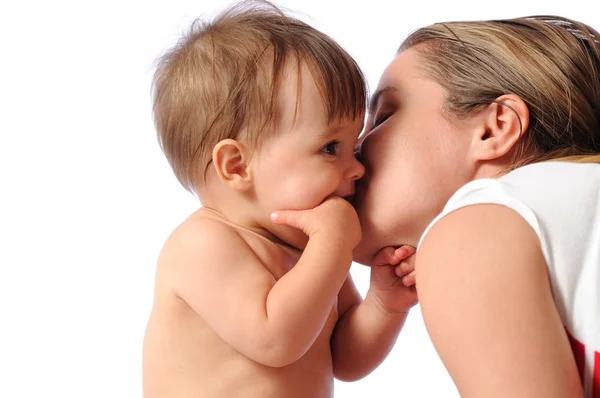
(466, 100)
(552, 63)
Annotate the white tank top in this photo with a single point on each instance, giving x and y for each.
(561, 202)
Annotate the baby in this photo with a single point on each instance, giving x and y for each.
(259, 114)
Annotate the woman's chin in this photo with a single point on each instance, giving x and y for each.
(363, 255)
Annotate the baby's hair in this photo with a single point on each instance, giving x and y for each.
(222, 79)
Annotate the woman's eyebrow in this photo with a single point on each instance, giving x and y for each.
(375, 98)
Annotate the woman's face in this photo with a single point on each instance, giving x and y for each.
(415, 157)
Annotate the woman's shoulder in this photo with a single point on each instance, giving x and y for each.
(484, 292)
(563, 170)
(535, 177)
(555, 192)
(491, 196)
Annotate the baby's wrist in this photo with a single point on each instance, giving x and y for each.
(333, 241)
(372, 298)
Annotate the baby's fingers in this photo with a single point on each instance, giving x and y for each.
(403, 252)
(406, 271)
(386, 256)
(409, 280)
(405, 268)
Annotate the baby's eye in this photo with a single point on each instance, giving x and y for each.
(331, 148)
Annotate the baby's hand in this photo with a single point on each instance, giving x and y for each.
(395, 256)
(335, 219)
(393, 279)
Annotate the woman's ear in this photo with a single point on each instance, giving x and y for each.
(504, 121)
(230, 159)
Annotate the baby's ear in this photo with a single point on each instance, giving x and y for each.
(504, 122)
(230, 159)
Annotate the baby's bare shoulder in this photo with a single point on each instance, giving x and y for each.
(202, 240)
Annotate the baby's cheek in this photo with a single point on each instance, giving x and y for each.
(299, 193)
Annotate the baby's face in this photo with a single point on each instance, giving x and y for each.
(307, 159)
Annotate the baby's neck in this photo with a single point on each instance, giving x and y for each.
(245, 214)
(240, 219)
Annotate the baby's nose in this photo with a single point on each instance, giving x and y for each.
(356, 170)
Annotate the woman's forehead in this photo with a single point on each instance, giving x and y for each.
(404, 67)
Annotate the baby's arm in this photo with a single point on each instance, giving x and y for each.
(271, 322)
(368, 329)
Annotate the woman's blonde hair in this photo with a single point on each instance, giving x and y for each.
(551, 63)
(222, 80)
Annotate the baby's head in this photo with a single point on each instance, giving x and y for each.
(259, 104)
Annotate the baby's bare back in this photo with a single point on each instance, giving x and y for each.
(185, 357)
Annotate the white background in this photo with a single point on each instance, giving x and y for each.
(88, 199)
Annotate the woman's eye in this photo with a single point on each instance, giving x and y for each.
(331, 148)
(381, 119)
(358, 155)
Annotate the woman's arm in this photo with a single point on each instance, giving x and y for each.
(488, 307)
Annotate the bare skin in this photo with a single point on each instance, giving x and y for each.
(507, 303)
(185, 357)
(483, 281)
(253, 296)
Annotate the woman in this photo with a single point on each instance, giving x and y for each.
(483, 150)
